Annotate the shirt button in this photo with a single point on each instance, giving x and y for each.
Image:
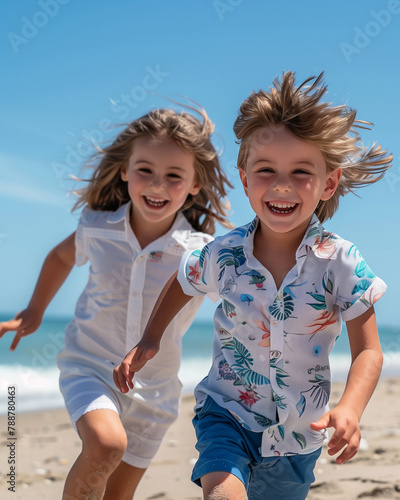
(274, 323)
(131, 326)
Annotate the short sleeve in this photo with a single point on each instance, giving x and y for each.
(357, 287)
(195, 273)
(80, 245)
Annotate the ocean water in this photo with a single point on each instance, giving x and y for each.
(32, 367)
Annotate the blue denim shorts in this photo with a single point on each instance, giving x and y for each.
(224, 445)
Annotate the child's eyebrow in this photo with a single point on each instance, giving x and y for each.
(295, 163)
(142, 161)
(262, 160)
(176, 167)
(305, 162)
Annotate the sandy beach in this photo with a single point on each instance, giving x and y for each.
(46, 446)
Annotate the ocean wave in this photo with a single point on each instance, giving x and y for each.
(37, 388)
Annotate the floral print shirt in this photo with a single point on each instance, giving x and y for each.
(271, 347)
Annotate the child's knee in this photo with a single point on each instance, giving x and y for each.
(106, 447)
(222, 492)
(221, 485)
(103, 437)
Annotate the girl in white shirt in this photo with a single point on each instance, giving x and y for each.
(155, 193)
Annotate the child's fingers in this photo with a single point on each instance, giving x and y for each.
(9, 326)
(23, 331)
(116, 378)
(339, 439)
(16, 340)
(120, 380)
(130, 378)
(344, 436)
(133, 362)
(128, 369)
(136, 360)
(349, 451)
(322, 423)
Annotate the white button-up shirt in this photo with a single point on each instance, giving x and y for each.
(124, 284)
(271, 347)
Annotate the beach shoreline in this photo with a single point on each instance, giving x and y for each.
(46, 446)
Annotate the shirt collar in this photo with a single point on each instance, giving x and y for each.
(175, 239)
(121, 214)
(179, 235)
(313, 233)
(315, 238)
(321, 242)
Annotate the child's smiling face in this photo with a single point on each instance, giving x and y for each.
(160, 176)
(285, 179)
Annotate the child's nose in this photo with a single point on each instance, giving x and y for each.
(157, 183)
(282, 185)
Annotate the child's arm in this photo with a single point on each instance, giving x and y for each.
(170, 302)
(56, 268)
(363, 376)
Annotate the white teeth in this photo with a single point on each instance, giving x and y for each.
(283, 205)
(155, 203)
(282, 208)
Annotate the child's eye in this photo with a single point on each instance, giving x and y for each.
(144, 170)
(266, 170)
(174, 176)
(302, 172)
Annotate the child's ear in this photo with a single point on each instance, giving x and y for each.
(124, 174)
(243, 178)
(332, 182)
(195, 188)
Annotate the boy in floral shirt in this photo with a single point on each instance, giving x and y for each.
(285, 285)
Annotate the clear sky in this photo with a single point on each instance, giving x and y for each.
(72, 69)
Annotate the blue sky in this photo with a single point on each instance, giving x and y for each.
(73, 70)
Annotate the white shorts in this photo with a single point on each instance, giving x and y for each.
(145, 425)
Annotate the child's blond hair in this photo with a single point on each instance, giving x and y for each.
(107, 191)
(330, 128)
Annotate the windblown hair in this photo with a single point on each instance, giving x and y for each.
(332, 129)
(107, 191)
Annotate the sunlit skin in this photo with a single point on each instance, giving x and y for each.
(160, 176)
(284, 178)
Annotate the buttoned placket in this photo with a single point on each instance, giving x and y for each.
(135, 299)
(277, 336)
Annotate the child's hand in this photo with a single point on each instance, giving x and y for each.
(347, 432)
(24, 323)
(132, 363)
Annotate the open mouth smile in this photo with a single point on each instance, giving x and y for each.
(282, 208)
(154, 203)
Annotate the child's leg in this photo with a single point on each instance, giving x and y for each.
(145, 426)
(225, 453)
(222, 486)
(123, 482)
(103, 445)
